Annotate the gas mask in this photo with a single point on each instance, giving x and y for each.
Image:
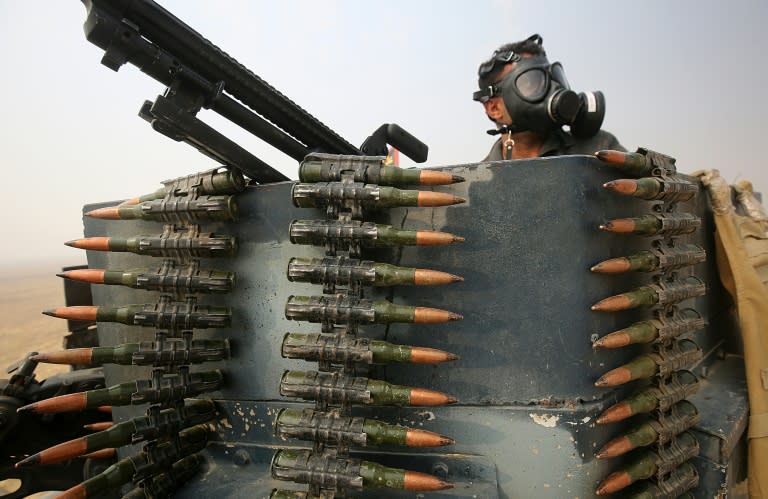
(538, 97)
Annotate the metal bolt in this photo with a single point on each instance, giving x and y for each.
(241, 458)
(440, 470)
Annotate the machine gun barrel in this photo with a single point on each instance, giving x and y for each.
(212, 69)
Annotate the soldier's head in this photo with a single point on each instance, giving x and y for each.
(494, 70)
(521, 90)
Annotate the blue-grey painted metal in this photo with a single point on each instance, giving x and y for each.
(524, 424)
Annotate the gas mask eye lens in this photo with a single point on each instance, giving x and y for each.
(532, 85)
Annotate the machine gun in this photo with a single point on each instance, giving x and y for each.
(200, 75)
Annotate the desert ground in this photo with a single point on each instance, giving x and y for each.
(26, 291)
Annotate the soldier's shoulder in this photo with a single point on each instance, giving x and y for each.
(606, 140)
(495, 153)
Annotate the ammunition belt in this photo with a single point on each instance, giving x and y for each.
(679, 481)
(187, 243)
(673, 258)
(674, 453)
(675, 357)
(680, 223)
(329, 387)
(661, 163)
(672, 327)
(673, 292)
(674, 389)
(337, 309)
(333, 270)
(174, 387)
(327, 427)
(182, 315)
(676, 189)
(336, 349)
(668, 425)
(323, 470)
(338, 167)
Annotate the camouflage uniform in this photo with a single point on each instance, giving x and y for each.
(561, 143)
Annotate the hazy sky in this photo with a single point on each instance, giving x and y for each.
(686, 78)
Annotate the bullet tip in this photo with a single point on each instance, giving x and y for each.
(602, 382)
(71, 243)
(452, 356)
(108, 213)
(26, 408)
(62, 274)
(604, 227)
(446, 440)
(457, 278)
(50, 312)
(29, 461)
(618, 412)
(457, 178)
(451, 400)
(458, 239)
(452, 316)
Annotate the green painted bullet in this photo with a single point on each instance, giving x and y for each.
(343, 271)
(334, 429)
(164, 484)
(169, 277)
(344, 308)
(677, 484)
(669, 189)
(649, 463)
(216, 181)
(173, 244)
(139, 466)
(318, 167)
(135, 430)
(336, 387)
(680, 354)
(683, 322)
(651, 261)
(366, 196)
(133, 393)
(173, 210)
(670, 224)
(142, 354)
(345, 235)
(682, 416)
(663, 293)
(682, 384)
(160, 315)
(304, 466)
(642, 163)
(346, 349)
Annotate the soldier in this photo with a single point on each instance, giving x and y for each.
(530, 101)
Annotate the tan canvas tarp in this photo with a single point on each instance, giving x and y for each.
(742, 259)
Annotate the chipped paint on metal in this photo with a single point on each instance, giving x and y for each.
(546, 420)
